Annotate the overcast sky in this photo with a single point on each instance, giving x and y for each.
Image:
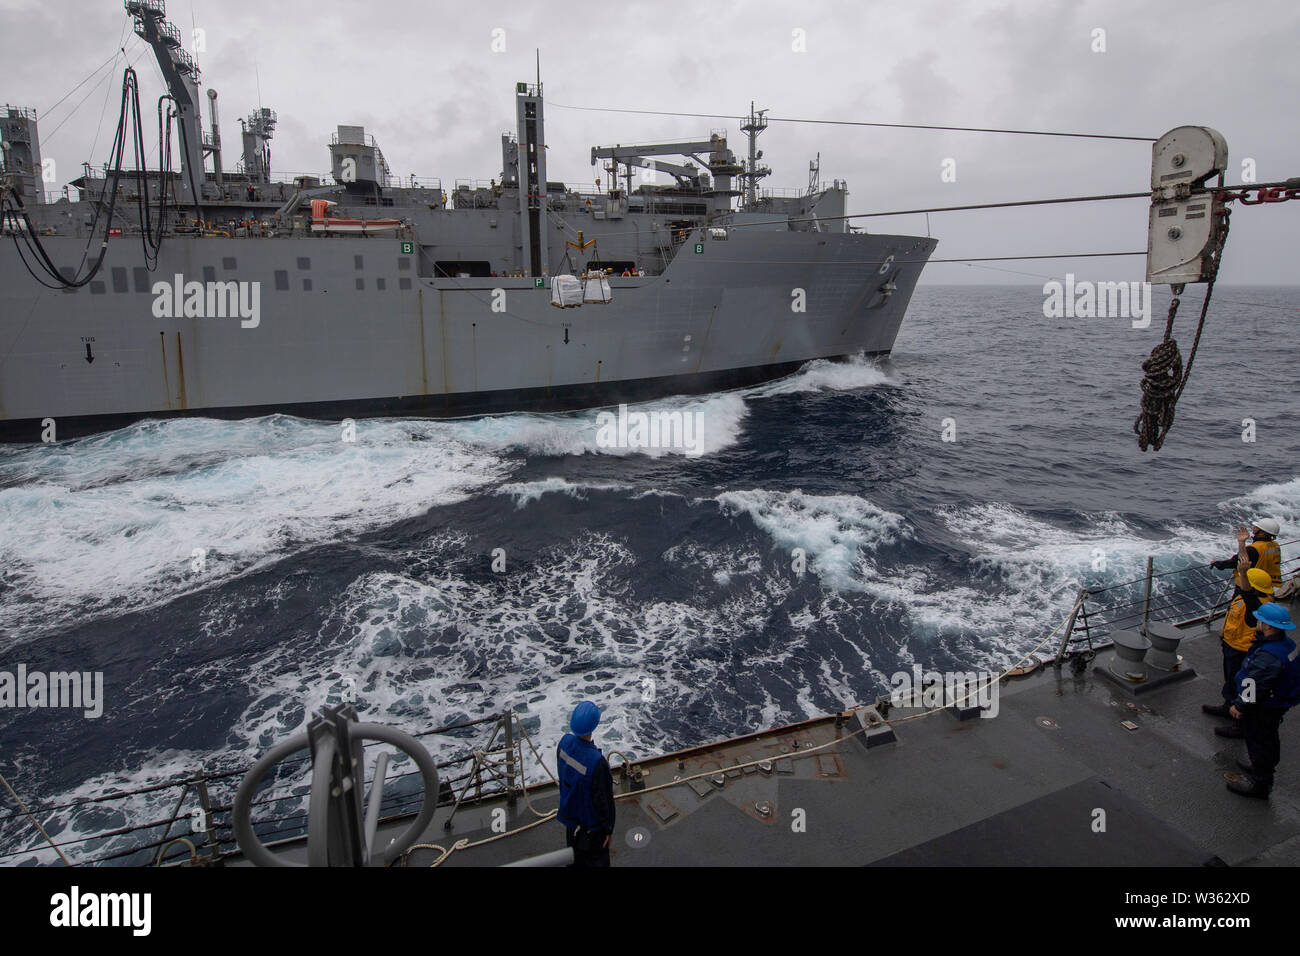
(424, 79)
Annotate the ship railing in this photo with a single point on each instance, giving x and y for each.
(412, 181)
(18, 112)
(1181, 596)
(137, 8)
(169, 34)
(292, 174)
(194, 812)
(367, 140)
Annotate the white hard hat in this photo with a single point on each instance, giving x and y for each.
(1267, 525)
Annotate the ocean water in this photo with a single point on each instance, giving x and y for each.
(661, 584)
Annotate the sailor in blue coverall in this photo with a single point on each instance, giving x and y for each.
(586, 790)
(1268, 685)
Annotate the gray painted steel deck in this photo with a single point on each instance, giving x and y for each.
(1001, 791)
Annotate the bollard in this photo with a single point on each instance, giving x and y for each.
(1164, 646)
(1129, 660)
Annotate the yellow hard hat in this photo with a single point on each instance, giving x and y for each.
(1260, 580)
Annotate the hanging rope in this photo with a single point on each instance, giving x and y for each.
(130, 129)
(1164, 377)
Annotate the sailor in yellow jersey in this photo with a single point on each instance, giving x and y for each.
(1263, 551)
(1266, 547)
(1238, 632)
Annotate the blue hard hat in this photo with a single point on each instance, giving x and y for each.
(1276, 615)
(585, 718)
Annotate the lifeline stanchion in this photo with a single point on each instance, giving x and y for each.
(36, 823)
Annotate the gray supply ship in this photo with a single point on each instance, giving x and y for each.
(225, 294)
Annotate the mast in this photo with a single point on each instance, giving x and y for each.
(181, 74)
(532, 175)
(754, 125)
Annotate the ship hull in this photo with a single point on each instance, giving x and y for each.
(350, 327)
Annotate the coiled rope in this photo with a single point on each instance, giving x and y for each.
(1164, 377)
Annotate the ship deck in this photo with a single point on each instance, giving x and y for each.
(1023, 788)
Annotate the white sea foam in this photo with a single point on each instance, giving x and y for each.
(833, 530)
(721, 418)
(1027, 569)
(1280, 501)
(114, 541)
(418, 649)
(111, 524)
(823, 375)
(527, 492)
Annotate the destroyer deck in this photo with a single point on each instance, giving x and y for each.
(1022, 788)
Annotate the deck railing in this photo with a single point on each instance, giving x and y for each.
(196, 828)
(1179, 596)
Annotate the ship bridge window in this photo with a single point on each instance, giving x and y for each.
(228, 263)
(282, 280)
(449, 268)
(141, 275)
(618, 265)
(119, 279)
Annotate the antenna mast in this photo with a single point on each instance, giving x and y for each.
(755, 125)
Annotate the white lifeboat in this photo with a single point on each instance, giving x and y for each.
(322, 221)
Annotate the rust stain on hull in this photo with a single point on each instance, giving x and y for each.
(442, 326)
(699, 362)
(167, 385)
(180, 366)
(424, 352)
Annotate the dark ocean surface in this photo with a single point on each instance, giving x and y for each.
(659, 584)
